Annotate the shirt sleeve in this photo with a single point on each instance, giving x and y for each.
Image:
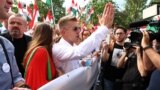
(83, 49)
(17, 76)
(15, 70)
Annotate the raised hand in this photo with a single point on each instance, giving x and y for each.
(145, 40)
(107, 17)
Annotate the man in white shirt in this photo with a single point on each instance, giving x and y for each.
(65, 53)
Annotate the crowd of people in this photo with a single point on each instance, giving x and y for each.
(31, 61)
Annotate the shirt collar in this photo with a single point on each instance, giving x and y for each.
(65, 42)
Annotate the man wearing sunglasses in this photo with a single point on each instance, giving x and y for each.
(65, 53)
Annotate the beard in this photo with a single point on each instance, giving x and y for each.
(15, 33)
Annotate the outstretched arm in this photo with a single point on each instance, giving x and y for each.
(91, 43)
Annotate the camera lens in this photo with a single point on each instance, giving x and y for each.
(127, 45)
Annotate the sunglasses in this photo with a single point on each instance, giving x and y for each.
(76, 28)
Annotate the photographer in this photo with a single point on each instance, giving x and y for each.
(131, 59)
(153, 59)
(151, 53)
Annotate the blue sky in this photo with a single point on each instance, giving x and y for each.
(120, 3)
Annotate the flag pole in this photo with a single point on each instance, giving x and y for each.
(52, 12)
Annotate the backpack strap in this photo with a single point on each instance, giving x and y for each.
(49, 74)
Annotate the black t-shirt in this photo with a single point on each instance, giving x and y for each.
(132, 74)
(109, 68)
(20, 45)
(132, 77)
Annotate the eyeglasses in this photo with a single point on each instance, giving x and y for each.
(119, 33)
(76, 28)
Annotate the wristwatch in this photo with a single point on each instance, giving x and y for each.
(147, 47)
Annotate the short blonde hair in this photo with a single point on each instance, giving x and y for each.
(63, 21)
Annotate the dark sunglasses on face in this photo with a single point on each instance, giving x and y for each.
(76, 28)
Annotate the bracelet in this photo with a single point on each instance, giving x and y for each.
(147, 47)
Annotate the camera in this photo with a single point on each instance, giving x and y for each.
(152, 26)
(127, 45)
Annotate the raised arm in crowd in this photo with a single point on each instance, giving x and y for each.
(66, 54)
(150, 52)
(151, 60)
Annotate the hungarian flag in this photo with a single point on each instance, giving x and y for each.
(29, 13)
(48, 2)
(25, 11)
(20, 8)
(49, 17)
(29, 16)
(74, 8)
(89, 12)
(36, 15)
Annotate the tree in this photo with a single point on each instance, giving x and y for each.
(156, 1)
(98, 6)
(132, 12)
(58, 11)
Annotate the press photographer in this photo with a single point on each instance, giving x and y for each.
(135, 75)
(152, 27)
(151, 59)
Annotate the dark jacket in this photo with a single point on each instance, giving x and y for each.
(20, 45)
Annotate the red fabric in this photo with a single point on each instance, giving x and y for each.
(36, 74)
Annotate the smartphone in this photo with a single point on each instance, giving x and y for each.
(108, 39)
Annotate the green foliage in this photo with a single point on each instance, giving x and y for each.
(59, 11)
(15, 9)
(98, 6)
(43, 8)
(132, 12)
(155, 0)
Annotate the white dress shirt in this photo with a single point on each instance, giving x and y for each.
(66, 56)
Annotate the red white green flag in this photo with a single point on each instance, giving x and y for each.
(36, 15)
(20, 8)
(48, 2)
(49, 17)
